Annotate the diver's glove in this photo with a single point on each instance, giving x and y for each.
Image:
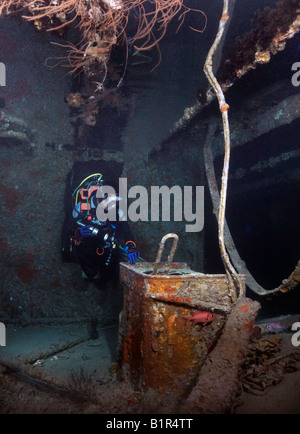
(85, 231)
(132, 254)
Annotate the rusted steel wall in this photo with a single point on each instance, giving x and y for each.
(159, 348)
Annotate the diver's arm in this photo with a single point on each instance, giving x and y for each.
(124, 232)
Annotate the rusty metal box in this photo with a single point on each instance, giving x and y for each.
(159, 348)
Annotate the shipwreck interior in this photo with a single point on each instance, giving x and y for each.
(150, 116)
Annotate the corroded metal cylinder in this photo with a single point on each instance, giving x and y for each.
(159, 348)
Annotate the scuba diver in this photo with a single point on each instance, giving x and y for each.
(97, 244)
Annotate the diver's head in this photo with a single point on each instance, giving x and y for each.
(108, 201)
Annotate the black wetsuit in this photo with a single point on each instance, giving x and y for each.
(99, 254)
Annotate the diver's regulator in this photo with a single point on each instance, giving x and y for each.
(93, 230)
(109, 241)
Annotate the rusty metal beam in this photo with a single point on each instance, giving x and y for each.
(256, 47)
(283, 113)
(218, 387)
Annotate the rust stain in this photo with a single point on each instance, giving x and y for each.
(160, 286)
(11, 198)
(244, 308)
(249, 325)
(170, 323)
(56, 283)
(284, 289)
(26, 273)
(127, 344)
(3, 243)
(175, 299)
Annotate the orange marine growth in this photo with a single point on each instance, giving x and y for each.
(201, 317)
(224, 107)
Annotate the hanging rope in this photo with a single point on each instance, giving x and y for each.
(234, 281)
